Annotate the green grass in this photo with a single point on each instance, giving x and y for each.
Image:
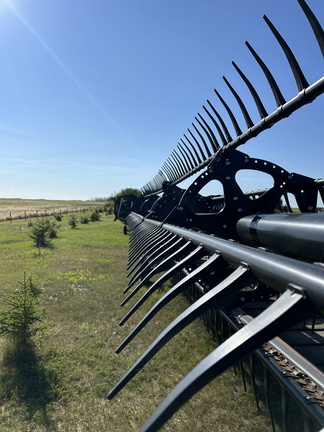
(61, 382)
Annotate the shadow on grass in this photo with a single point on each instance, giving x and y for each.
(26, 382)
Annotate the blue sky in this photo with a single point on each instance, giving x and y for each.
(95, 94)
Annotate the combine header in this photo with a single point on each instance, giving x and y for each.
(251, 264)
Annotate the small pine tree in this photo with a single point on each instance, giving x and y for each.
(84, 219)
(22, 319)
(42, 231)
(73, 221)
(95, 216)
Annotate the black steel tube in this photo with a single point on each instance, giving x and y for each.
(295, 234)
(274, 270)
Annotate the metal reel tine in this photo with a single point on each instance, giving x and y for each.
(296, 70)
(317, 28)
(245, 113)
(180, 250)
(231, 115)
(237, 280)
(280, 100)
(194, 255)
(141, 244)
(148, 265)
(288, 309)
(150, 246)
(171, 294)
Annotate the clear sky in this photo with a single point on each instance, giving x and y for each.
(95, 94)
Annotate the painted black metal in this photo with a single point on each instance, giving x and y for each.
(157, 254)
(148, 268)
(300, 79)
(262, 111)
(230, 113)
(273, 370)
(280, 100)
(153, 249)
(306, 94)
(270, 268)
(178, 245)
(149, 245)
(317, 28)
(172, 293)
(287, 309)
(238, 279)
(234, 246)
(300, 363)
(219, 214)
(245, 113)
(193, 256)
(298, 235)
(219, 130)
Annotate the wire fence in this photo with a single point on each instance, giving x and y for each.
(19, 213)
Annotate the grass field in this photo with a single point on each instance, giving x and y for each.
(62, 386)
(15, 208)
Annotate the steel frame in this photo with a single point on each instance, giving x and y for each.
(233, 249)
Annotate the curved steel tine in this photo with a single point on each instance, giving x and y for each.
(317, 28)
(167, 170)
(177, 163)
(186, 157)
(201, 137)
(176, 157)
(288, 309)
(177, 174)
(145, 248)
(245, 113)
(190, 152)
(149, 259)
(162, 176)
(172, 293)
(219, 130)
(231, 115)
(262, 111)
(183, 161)
(237, 280)
(142, 245)
(197, 143)
(151, 248)
(296, 70)
(173, 174)
(138, 233)
(137, 229)
(139, 244)
(225, 129)
(173, 255)
(192, 256)
(209, 132)
(153, 259)
(280, 100)
(194, 149)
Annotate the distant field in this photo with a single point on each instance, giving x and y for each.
(15, 208)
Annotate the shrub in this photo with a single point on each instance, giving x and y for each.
(42, 231)
(22, 319)
(84, 219)
(73, 222)
(95, 216)
(109, 210)
(52, 229)
(59, 218)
